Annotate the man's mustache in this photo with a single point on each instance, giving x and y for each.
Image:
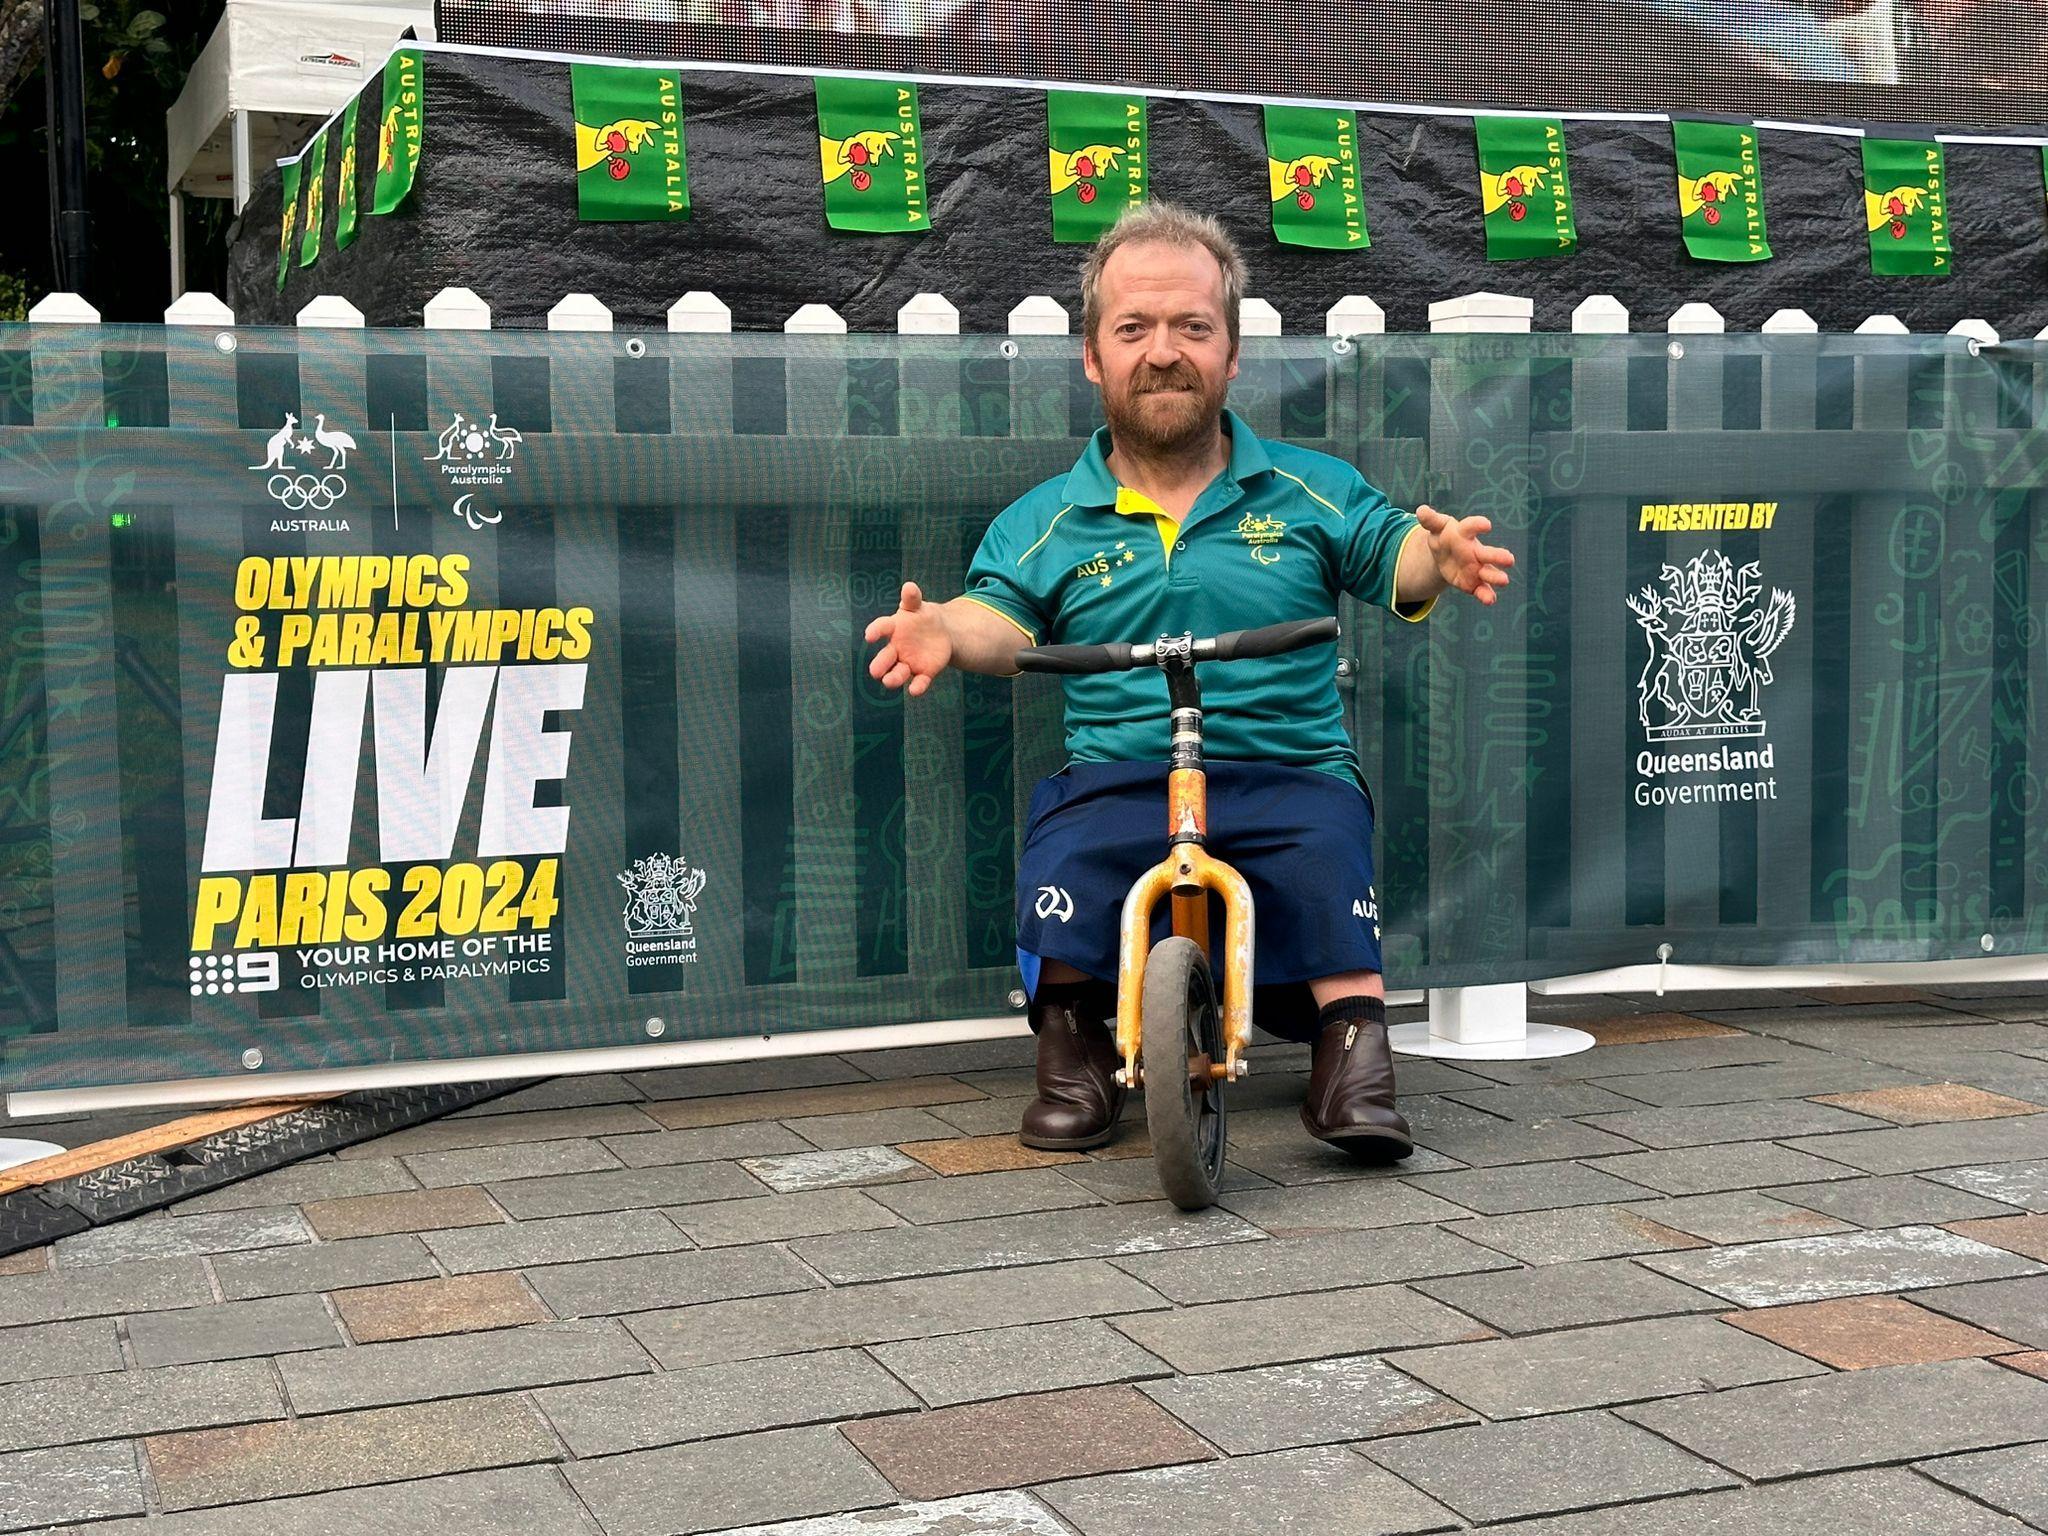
(1173, 378)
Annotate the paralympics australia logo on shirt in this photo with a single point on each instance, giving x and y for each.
(1262, 534)
(662, 891)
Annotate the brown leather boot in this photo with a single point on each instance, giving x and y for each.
(1078, 1099)
(1350, 1101)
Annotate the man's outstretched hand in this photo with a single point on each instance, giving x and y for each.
(1460, 558)
(916, 644)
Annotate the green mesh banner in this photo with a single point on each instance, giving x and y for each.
(386, 696)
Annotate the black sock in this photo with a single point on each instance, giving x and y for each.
(1090, 998)
(1357, 1009)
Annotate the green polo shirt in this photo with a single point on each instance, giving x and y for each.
(1276, 536)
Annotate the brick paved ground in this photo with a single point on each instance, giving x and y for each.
(1757, 1262)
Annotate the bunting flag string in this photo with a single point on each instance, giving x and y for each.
(1525, 188)
(1720, 191)
(629, 144)
(1099, 161)
(401, 130)
(871, 154)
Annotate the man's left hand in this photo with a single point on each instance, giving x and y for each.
(1461, 559)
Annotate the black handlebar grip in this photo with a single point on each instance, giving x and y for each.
(1074, 659)
(1275, 639)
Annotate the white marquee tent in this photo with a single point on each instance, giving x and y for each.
(272, 70)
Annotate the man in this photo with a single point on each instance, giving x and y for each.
(1178, 519)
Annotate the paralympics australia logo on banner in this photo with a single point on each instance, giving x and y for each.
(299, 482)
(662, 891)
(476, 457)
(1711, 633)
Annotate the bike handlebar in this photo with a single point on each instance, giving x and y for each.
(1236, 645)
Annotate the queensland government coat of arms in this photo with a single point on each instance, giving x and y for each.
(1711, 635)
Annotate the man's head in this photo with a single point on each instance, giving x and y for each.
(1159, 301)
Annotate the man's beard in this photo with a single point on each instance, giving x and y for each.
(1182, 423)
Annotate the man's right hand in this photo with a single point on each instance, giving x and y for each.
(916, 644)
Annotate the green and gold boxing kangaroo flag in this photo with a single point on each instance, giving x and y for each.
(401, 130)
(288, 217)
(629, 144)
(1312, 177)
(345, 181)
(1905, 203)
(1720, 191)
(871, 153)
(315, 162)
(1096, 144)
(1525, 188)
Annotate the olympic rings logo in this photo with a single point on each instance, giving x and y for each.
(303, 493)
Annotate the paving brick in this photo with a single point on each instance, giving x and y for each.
(984, 1117)
(870, 1128)
(1316, 1489)
(2022, 1184)
(830, 1170)
(1018, 1050)
(668, 1280)
(74, 1482)
(577, 1194)
(2018, 1309)
(416, 1370)
(535, 1127)
(1293, 1264)
(1542, 1101)
(1312, 1402)
(357, 1261)
(1859, 1332)
(1597, 1367)
(1124, 1182)
(1230, 1335)
(955, 1155)
(1708, 1124)
(1930, 1104)
(30, 1261)
(102, 1291)
(415, 1210)
(1313, 1209)
(706, 1144)
(635, 1413)
(1649, 1060)
(971, 1196)
(1019, 1440)
(2014, 1480)
(1567, 1295)
(1491, 1472)
(1853, 1418)
(149, 1238)
(1527, 1187)
(1578, 1232)
(1805, 1075)
(342, 1450)
(558, 1093)
(1649, 1028)
(1095, 1232)
(524, 1160)
(2033, 1362)
(1010, 1512)
(899, 1309)
(780, 1474)
(744, 1079)
(562, 1240)
(1004, 1362)
(1916, 1148)
(1895, 1201)
(234, 1330)
(1300, 1160)
(1841, 1264)
(324, 1178)
(60, 1349)
(1538, 1141)
(2024, 1235)
(778, 1218)
(1885, 1501)
(1738, 1216)
(124, 1403)
(1738, 1165)
(787, 1103)
(418, 1308)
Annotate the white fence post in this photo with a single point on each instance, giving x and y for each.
(1486, 1023)
(1039, 386)
(701, 373)
(459, 381)
(192, 363)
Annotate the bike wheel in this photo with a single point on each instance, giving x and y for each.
(1186, 1120)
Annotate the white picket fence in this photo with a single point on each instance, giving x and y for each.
(1487, 1022)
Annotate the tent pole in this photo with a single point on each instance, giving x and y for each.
(177, 245)
(240, 130)
(64, 79)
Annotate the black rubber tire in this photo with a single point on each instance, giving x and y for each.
(1181, 1019)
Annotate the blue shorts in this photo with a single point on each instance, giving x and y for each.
(1301, 838)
